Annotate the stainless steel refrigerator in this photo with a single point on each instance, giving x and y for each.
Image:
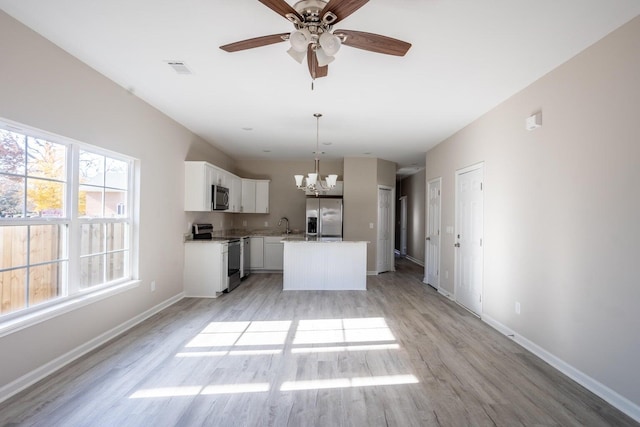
(324, 218)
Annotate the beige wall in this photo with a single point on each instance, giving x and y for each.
(285, 200)
(414, 187)
(361, 179)
(360, 207)
(44, 87)
(561, 211)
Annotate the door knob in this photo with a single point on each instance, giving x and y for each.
(457, 245)
(428, 238)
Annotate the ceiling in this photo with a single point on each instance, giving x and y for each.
(467, 57)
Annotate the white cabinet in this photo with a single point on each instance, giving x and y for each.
(273, 253)
(262, 196)
(255, 195)
(198, 178)
(205, 268)
(220, 176)
(248, 195)
(256, 251)
(245, 195)
(235, 194)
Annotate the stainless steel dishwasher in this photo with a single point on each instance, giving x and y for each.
(246, 257)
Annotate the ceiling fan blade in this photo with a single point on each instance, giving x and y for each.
(342, 8)
(315, 70)
(255, 42)
(374, 42)
(281, 8)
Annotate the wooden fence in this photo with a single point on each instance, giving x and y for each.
(44, 280)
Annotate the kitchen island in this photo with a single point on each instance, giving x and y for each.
(324, 265)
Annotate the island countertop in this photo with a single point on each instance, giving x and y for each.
(313, 239)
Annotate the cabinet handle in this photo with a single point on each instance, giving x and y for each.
(457, 245)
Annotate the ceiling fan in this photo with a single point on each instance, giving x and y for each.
(314, 36)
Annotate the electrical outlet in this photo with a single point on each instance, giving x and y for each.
(266, 223)
(517, 307)
(371, 225)
(244, 223)
(153, 286)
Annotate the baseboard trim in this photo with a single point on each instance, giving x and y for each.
(446, 294)
(415, 260)
(49, 368)
(597, 388)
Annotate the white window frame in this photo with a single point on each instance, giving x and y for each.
(72, 297)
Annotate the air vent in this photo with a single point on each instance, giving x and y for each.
(179, 67)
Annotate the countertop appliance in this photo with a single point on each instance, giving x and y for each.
(324, 217)
(219, 198)
(202, 231)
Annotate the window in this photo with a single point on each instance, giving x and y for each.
(65, 219)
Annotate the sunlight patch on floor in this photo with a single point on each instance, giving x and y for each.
(258, 338)
(349, 382)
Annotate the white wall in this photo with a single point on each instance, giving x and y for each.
(561, 211)
(44, 87)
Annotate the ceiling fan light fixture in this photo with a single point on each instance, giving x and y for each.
(323, 58)
(330, 43)
(297, 55)
(299, 39)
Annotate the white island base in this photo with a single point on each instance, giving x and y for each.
(324, 266)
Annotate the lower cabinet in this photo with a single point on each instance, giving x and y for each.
(273, 253)
(256, 250)
(205, 268)
(266, 253)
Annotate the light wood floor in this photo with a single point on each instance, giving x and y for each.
(398, 354)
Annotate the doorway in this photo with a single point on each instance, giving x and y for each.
(468, 237)
(432, 239)
(385, 227)
(403, 226)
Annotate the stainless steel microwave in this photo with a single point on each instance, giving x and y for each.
(219, 198)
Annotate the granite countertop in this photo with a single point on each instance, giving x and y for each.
(226, 235)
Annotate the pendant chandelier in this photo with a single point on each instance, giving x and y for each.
(313, 182)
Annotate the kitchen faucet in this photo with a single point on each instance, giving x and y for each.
(284, 218)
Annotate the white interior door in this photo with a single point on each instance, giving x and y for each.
(403, 226)
(432, 242)
(385, 225)
(469, 232)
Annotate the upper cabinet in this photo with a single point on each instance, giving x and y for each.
(235, 193)
(248, 195)
(262, 196)
(245, 195)
(255, 195)
(198, 179)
